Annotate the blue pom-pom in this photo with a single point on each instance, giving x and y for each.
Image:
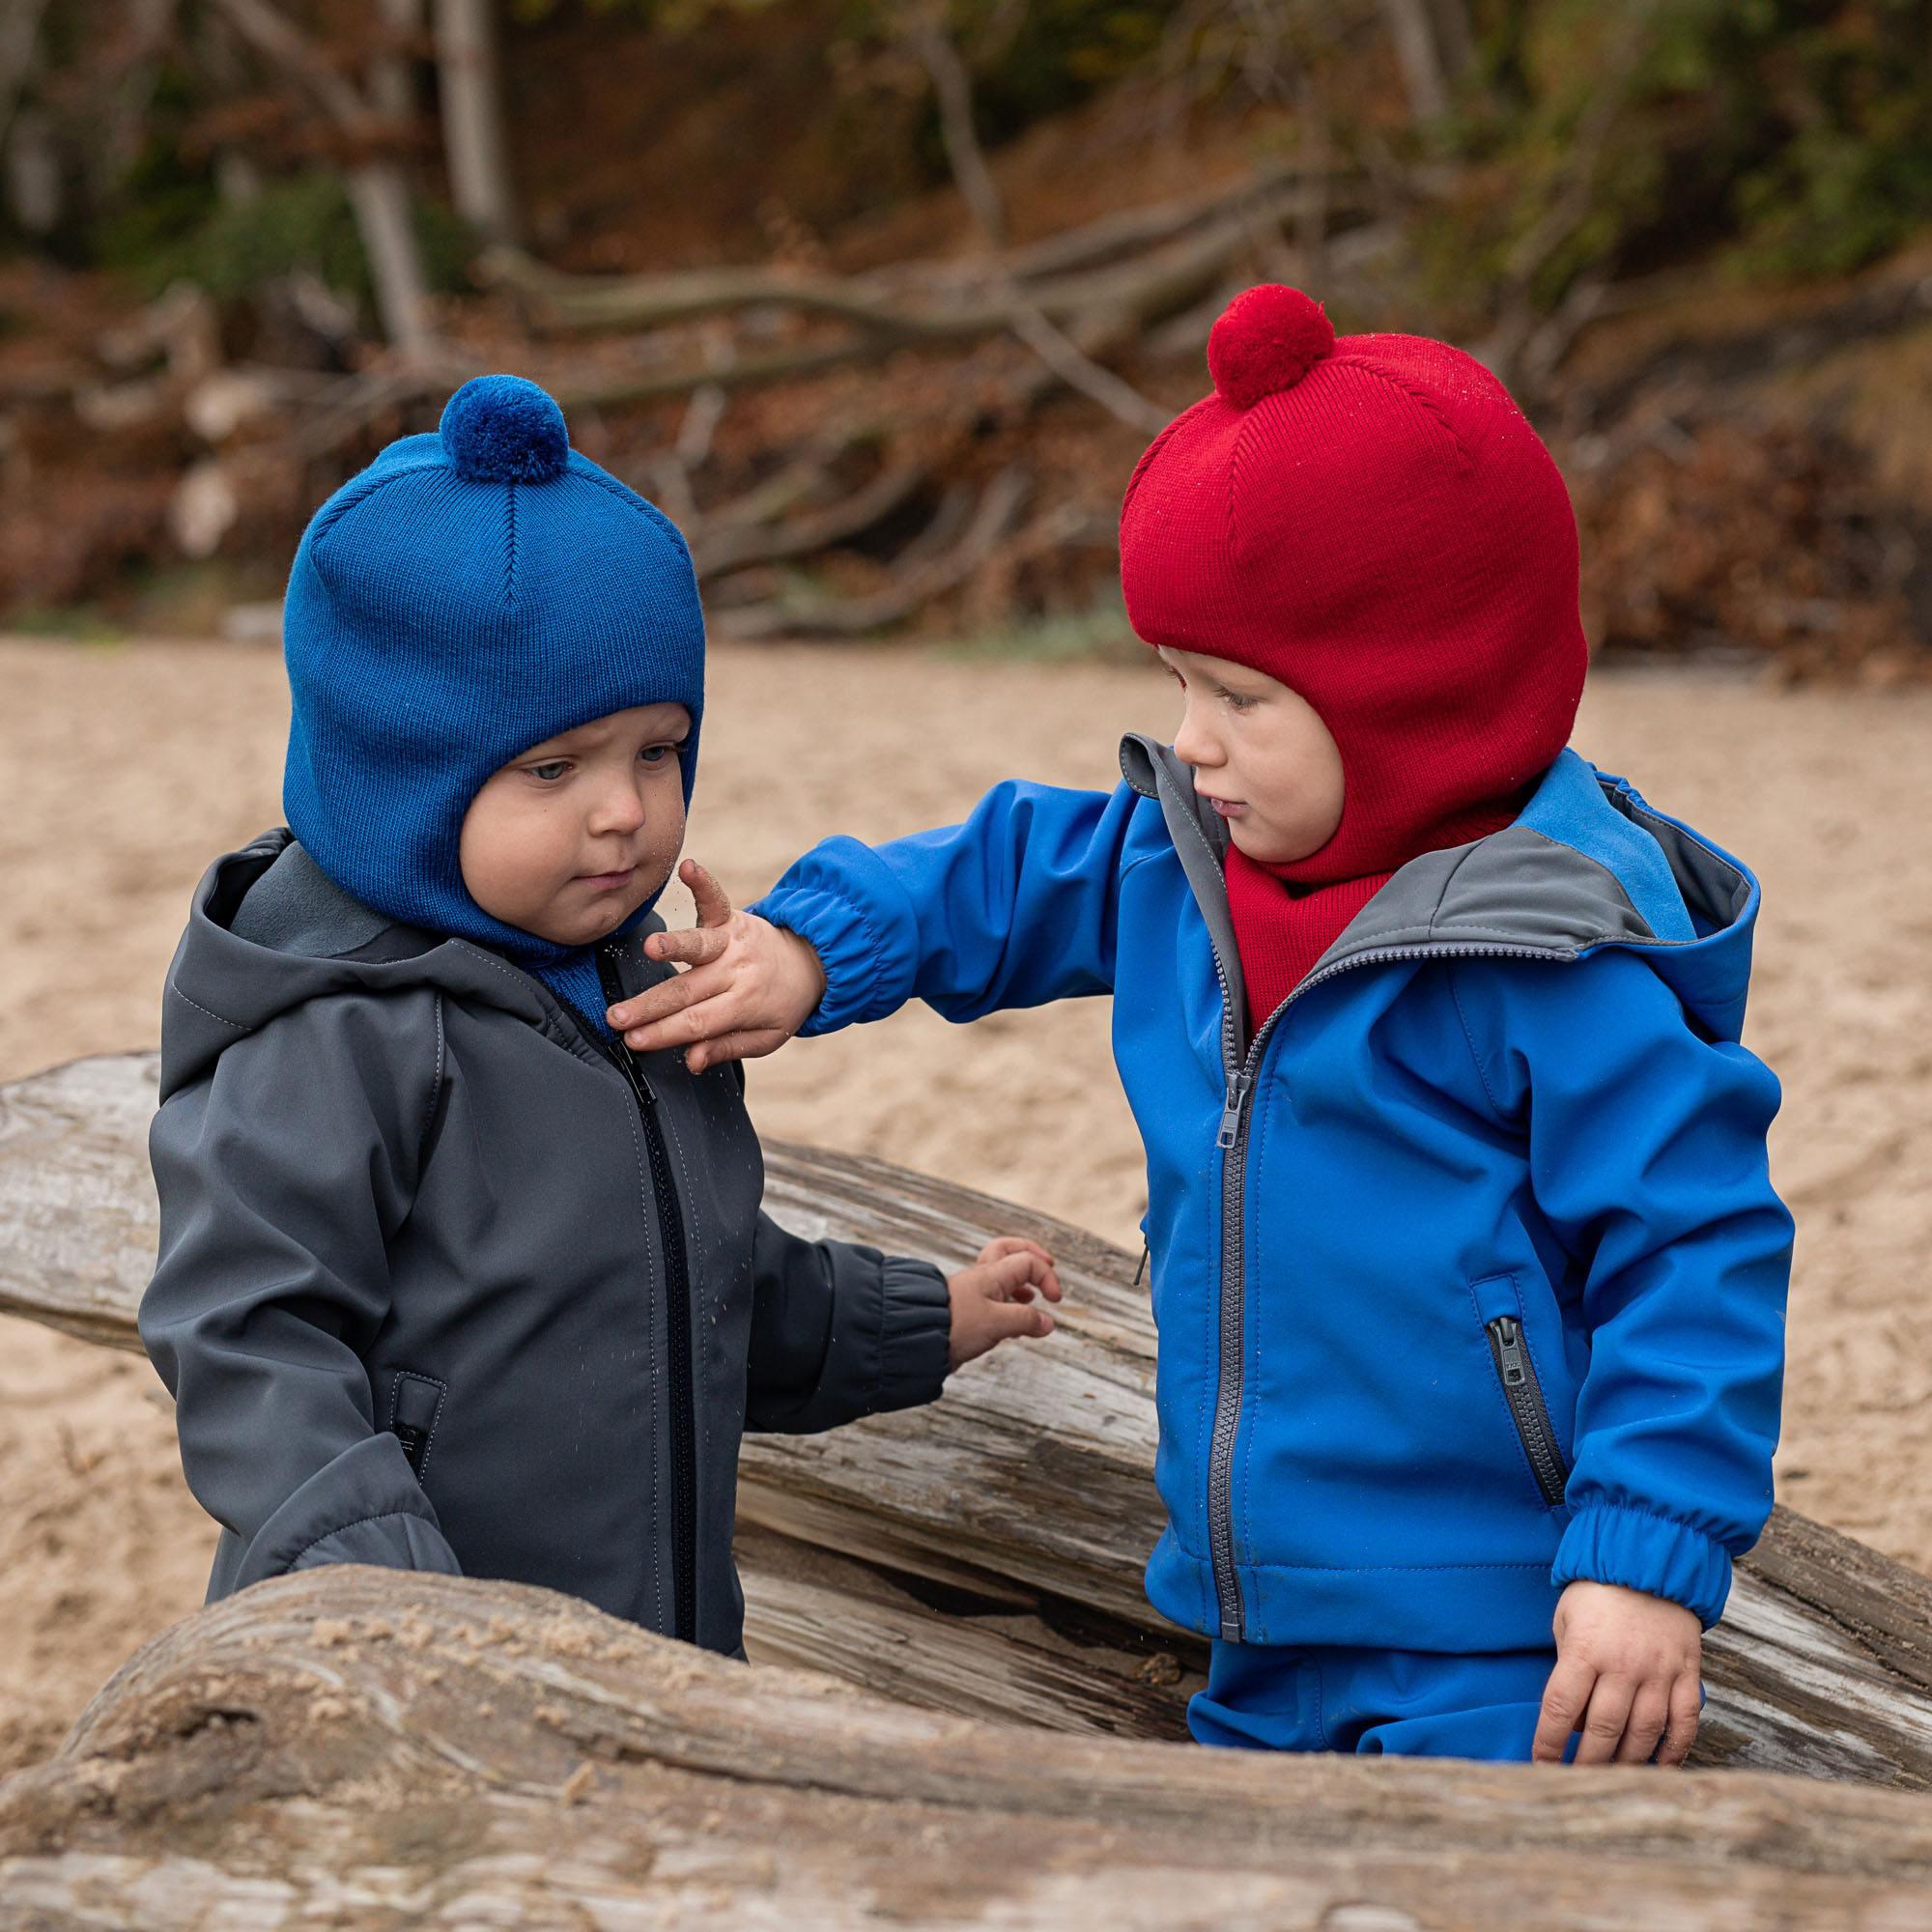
(504, 428)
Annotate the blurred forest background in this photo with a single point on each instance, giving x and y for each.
(881, 298)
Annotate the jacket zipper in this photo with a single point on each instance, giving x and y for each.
(1233, 1140)
(677, 1341)
(1524, 1395)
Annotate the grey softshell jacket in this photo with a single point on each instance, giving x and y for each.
(442, 1286)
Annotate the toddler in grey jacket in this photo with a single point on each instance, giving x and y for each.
(449, 1278)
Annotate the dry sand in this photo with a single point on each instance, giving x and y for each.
(127, 769)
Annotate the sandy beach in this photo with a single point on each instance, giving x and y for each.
(129, 767)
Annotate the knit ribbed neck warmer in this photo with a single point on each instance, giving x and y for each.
(466, 596)
(1371, 520)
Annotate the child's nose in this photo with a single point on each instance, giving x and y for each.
(620, 809)
(1193, 745)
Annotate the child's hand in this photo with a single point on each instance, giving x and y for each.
(747, 988)
(1627, 1675)
(990, 1298)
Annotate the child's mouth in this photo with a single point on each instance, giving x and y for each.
(607, 882)
(1228, 808)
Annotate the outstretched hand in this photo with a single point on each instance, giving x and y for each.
(992, 1300)
(747, 986)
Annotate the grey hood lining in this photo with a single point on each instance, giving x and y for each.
(1200, 843)
(1517, 889)
(243, 961)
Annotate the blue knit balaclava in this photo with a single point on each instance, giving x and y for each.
(464, 597)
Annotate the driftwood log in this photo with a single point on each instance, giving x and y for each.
(355, 1747)
(470, 1752)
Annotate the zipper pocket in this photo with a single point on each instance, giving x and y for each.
(1524, 1393)
(416, 1403)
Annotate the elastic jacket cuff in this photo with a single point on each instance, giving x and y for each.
(869, 969)
(402, 1541)
(915, 1334)
(1608, 1543)
(364, 1507)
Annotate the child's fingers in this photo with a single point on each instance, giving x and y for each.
(671, 997)
(1681, 1733)
(1007, 1319)
(1044, 1275)
(1605, 1721)
(1012, 1273)
(714, 906)
(1650, 1711)
(1564, 1698)
(708, 1019)
(693, 946)
(742, 1045)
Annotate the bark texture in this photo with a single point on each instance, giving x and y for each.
(353, 1747)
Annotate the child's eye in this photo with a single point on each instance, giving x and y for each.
(1236, 702)
(551, 770)
(655, 754)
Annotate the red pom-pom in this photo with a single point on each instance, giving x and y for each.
(1266, 340)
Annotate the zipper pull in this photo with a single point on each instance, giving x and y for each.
(1141, 1269)
(1508, 1331)
(1238, 1085)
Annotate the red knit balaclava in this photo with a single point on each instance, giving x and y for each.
(1371, 520)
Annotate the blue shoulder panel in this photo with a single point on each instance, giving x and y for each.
(1569, 807)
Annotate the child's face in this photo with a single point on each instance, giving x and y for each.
(1261, 757)
(571, 836)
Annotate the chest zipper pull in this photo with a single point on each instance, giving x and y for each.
(1238, 1085)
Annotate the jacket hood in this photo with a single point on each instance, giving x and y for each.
(1588, 863)
(267, 930)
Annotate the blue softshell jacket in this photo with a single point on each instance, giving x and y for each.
(1467, 1270)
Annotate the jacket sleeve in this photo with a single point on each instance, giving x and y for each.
(838, 1331)
(1012, 908)
(282, 1175)
(1647, 1158)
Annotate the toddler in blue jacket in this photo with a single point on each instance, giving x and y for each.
(1468, 1274)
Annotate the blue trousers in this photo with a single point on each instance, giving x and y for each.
(1414, 1702)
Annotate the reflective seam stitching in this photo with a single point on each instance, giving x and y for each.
(435, 1093)
(222, 1019)
(1469, 1041)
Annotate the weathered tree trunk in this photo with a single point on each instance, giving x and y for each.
(983, 1555)
(356, 1748)
(474, 148)
(378, 191)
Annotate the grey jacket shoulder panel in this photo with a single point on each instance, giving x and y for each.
(1587, 864)
(1515, 888)
(1524, 886)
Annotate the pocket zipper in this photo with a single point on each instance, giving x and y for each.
(412, 1440)
(1524, 1395)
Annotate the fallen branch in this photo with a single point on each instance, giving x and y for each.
(913, 584)
(357, 1747)
(1823, 1665)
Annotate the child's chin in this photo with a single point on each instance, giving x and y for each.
(1266, 850)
